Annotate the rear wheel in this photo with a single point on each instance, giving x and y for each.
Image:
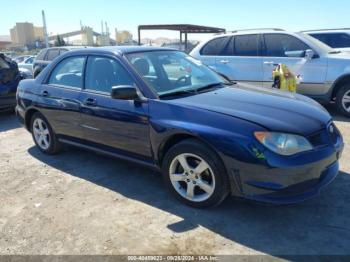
(43, 135)
(195, 174)
(343, 100)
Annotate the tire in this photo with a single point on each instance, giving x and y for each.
(343, 100)
(212, 178)
(43, 135)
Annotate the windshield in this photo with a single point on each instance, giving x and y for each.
(325, 48)
(173, 73)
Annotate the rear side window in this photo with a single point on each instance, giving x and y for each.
(41, 55)
(246, 45)
(335, 40)
(217, 47)
(68, 72)
(282, 45)
(3, 64)
(52, 54)
(102, 73)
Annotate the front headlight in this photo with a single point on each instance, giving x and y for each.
(283, 144)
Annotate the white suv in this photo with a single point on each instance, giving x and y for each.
(250, 56)
(335, 38)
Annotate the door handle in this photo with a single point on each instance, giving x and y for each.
(224, 61)
(45, 93)
(90, 102)
(269, 63)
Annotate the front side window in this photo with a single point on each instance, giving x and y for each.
(334, 40)
(246, 45)
(282, 45)
(29, 60)
(102, 73)
(217, 47)
(173, 72)
(68, 72)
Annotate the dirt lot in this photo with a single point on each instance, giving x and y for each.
(82, 203)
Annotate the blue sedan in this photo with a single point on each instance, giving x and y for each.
(161, 108)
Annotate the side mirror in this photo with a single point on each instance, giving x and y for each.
(124, 92)
(309, 54)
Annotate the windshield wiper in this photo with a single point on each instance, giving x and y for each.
(209, 86)
(335, 52)
(195, 91)
(177, 93)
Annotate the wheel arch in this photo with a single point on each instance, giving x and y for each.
(176, 138)
(339, 83)
(28, 116)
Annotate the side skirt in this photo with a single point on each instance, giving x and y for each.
(107, 153)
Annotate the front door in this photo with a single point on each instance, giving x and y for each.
(289, 50)
(113, 124)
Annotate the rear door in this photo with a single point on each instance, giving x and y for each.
(117, 125)
(59, 97)
(240, 59)
(287, 49)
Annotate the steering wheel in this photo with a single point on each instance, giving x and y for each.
(183, 79)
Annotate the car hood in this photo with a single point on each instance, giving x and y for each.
(273, 109)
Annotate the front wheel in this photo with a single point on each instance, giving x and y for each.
(343, 100)
(195, 174)
(43, 135)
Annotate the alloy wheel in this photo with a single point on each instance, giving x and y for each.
(192, 177)
(41, 133)
(346, 101)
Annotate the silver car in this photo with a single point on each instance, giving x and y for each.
(250, 55)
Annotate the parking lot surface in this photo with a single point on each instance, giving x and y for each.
(79, 202)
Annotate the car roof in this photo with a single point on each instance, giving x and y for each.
(121, 49)
(339, 30)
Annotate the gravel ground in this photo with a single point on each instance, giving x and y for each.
(83, 203)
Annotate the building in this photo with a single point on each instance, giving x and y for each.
(39, 33)
(5, 42)
(87, 37)
(123, 37)
(26, 34)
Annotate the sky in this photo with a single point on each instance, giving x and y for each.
(65, 15)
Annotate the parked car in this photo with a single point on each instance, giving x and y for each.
(27, 63)
(20, 59)
(9, 79)
(335, 38)
(47, 55)
(164, 109)
(250, 56)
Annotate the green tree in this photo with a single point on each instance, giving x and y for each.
(59, 41)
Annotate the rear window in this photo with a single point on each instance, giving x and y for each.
(218, 47)
(3, 64)
(41, 55)
(334, 40)
(52, 54)
(62, 51)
